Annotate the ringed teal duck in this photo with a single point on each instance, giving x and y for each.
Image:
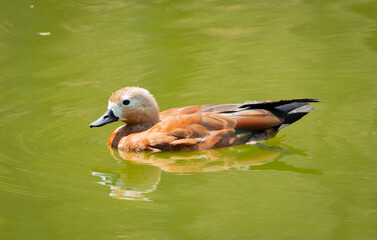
(199, 127)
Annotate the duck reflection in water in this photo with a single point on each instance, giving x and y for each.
(141, 171)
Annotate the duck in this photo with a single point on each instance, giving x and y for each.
(197, 127)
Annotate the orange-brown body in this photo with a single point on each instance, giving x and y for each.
(188, 128)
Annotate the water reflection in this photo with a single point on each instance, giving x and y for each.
(140, 172)
(131, 181)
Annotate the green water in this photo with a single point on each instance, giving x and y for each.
(61, 60)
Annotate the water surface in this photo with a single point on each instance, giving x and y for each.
(61, 60)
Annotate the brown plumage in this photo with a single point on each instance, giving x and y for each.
(194, 127)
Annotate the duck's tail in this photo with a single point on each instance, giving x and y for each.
(291, 110)
(295, 114)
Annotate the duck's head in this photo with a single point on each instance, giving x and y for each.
(131, 105)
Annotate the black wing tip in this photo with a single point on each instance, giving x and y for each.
(283, 101)
(307, 100)
(273, 104)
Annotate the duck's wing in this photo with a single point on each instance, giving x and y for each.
(252, 115)
(202, 131)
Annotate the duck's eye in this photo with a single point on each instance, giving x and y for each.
(126, 102)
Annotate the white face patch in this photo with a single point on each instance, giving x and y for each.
(116, 110)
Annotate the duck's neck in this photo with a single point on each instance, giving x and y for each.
(139, 127)
(126, 130)
(142, 117)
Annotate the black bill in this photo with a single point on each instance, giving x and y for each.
(107, 117)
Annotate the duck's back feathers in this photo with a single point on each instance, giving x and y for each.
(252, 115)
